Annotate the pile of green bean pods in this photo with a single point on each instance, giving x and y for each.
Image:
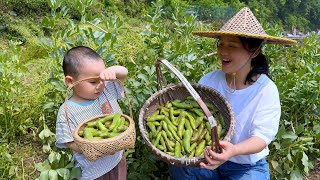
(180, 128)
(107, 127)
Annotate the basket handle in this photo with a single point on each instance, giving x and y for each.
(86, 79)
(161, 81)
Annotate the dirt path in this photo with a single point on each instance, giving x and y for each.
(315, 174)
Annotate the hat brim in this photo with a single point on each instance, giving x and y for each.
(269, 39)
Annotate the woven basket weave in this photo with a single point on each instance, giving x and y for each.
(95, 149)
(179, 91)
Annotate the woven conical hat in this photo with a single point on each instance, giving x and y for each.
(245, 24)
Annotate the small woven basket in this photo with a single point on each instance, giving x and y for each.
(95, 149)
(180, 91)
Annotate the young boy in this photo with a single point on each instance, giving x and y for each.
(90, 98)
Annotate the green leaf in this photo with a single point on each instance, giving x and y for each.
(48, 105)
(53, 175)
(75, 172)
(276, 166)
(276, 145)
(64, 173)
(305, 162)
(52, 157)
(296, 175)
(289, 157)
(289, 136)
(143, 77)
(13, 170)
(189, 65)
(44, 175)
(70, 165)
(59, 85)
(44, 166)
(45, 133)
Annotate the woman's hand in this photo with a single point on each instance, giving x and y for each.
(214, 160)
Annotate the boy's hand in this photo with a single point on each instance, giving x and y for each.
(108, 74)
(73, 146)
(113, 73)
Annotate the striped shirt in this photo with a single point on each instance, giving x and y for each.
(106, 103)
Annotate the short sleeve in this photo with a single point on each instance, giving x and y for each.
(267, 116)
(63, 134)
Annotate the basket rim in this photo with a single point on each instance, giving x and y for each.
(107, 140)
(168, 157)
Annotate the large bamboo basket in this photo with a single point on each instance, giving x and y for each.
(96, 149)
(181, 91)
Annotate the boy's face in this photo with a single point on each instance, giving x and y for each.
(90, 89)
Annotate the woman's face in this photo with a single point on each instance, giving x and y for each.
(234, 57)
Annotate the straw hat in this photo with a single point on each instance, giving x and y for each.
(245, 24)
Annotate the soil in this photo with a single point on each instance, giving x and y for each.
(315, 174)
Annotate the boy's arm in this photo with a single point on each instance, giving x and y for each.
(73, 146)
(114, 72)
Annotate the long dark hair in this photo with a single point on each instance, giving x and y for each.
(259, 63)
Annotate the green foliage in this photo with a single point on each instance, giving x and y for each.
(8, 168)
(296, 74)
(26, 8)
(11, 90)
(59, 164)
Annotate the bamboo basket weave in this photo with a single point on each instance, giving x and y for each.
(180, 91)
(96, 149)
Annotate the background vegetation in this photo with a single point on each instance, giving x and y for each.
(134, 33)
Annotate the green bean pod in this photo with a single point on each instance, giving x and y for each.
(87, 134)
(101, 126)
(152, 128)
(168, 105)
(165, 127)
(166, 119)
(107, 118)
(193, 146)
(192, 120)
(156, 141)
(160, 147)
(202, 135)
(186, 140)
(177, 149)
(162, 142)
(115, 121)
(169, 143)
(198, 112)
(200, 148)
(174, 134)
(199, 120)
(156, 118)
(181, 124)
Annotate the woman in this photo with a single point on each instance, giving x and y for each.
(244, 82)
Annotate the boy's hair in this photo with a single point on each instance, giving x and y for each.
(74, 58)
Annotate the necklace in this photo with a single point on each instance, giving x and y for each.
(233, 83)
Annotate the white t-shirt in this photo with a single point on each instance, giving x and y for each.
(257, 111)
(106, 103)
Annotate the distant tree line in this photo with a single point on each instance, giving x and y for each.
(303, 15)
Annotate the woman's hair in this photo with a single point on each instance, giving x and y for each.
(74, 58)
(259, 63)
